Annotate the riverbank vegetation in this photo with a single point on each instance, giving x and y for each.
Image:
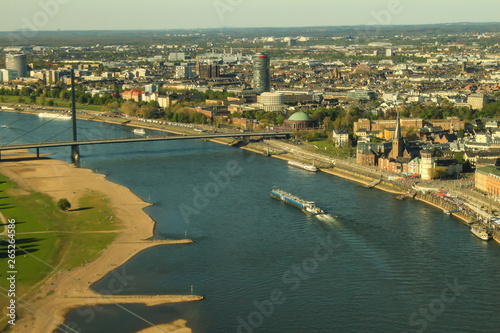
(48, 239)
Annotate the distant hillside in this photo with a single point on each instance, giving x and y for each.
(143, 37)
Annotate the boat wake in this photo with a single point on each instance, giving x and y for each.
(326, 217)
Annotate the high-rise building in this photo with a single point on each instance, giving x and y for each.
(8, 74)
(17, 62)
(183, 72)
(52, 76)
(210, 71)
(261, 73)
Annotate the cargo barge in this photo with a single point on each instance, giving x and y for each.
(306, 206)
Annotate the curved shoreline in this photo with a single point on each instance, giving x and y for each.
(76, 301)
(63, 291)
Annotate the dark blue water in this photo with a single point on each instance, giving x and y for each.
(377, 265)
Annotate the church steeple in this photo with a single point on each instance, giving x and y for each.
(397, 133)
(398, 147)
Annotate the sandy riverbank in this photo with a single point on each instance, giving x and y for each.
(66, 290)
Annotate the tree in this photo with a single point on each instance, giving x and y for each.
(459, 157)
(280, 119)
(146, 111)
(63, 204)
(437, 152)
(129, 108)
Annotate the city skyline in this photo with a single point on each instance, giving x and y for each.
(50, 15)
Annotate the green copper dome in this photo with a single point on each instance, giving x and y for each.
(300, 116)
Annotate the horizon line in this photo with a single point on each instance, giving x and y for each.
(255, 27)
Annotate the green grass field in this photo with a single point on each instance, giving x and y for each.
(47, 238)
(60, 103)
(331, 149)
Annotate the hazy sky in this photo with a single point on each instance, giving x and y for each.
(181, 14)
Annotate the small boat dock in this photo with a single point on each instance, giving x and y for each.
(448, 212)
(374, 183)
(407, 195)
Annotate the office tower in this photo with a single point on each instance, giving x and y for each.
(261, 73)
(17, 62)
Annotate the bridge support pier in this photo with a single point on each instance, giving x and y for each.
(38, 153)
(75, 155)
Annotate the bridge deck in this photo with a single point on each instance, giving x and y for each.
(144, 139)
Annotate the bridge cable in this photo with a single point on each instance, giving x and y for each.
(105, 296)
(21, 118)
(50, 319)
(47, 140)
(34, 129)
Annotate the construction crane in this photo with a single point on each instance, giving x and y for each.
(51, 64)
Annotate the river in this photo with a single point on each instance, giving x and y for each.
(376, 264)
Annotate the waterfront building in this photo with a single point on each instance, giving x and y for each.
(135, 94)
(487, 179)
(167, 101)
(427, 164)
(366, 157)
(17, 62)
(341, 137)
(261, 73)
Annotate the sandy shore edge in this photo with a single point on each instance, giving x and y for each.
(64, 291)
(339, 172)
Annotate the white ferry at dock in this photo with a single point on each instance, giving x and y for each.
(480, 232)
(307, 167)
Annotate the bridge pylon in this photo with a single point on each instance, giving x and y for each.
(75, 155)
(75, 150)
